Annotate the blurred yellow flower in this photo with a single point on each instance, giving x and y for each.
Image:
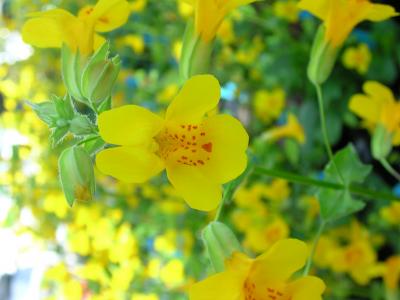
(140, 296)
(341, 16)
(138, 5)
(278, 190)
(391, 275)
(168, 93)
(260, 238)
(287, 9)
(266, 277)
(209, 15)
(192, 148)
(135, 42)
(79, 33)
(357, 58)
(184, 8)
(172, 274)
(292, 129)
(391, 213)
(378, 106)
(268, 105)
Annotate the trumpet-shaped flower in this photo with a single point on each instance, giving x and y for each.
(209, 15)
(199, 153)
(378, 106)
(292, 129)
(341, 16)
(264, 278)
(78, 32)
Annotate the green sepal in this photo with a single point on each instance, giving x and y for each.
(46, 111)
(322, 59)
(81, 125)
(220, 243)
(58, 134)
(381, 143)
(76, 175)
(71, 66)
(195, 55)
(335, 204)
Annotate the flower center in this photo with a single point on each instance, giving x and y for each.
(187, 144)
(253, 292)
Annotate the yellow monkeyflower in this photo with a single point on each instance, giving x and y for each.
(391, 275)
(77, 32)
(199, 153)
(209, 15)
(378, 106)
(341, 16)
(292, 129)
(263, 278)
(268, 105)
(357, 58)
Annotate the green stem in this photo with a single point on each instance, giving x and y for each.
(324, 130)
(390, 169)
(314, 248)
(356, 190)
(227, 194)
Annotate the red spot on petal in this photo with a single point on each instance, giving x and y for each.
(207, 147)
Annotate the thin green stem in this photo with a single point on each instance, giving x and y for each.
(314, 248)
(390, 169)
(227, 194)
(324, 130)
(356, 190)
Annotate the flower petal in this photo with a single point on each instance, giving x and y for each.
(195, 188)
(129, 164)
(60, 27)
(308, 287)
(365, 107)
(319, 8)
(378, 91)
(229, 143)
(381, 12)
(222, 286)
(129, 125)
(283, 259)
(110, 14)
(199, 95)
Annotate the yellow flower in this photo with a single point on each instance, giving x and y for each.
(135, 42)
(199, 153)
(140, 296)
(391, 213)
(341, 16)
(209, 15)
(378, 106)
(268, 105)
(278, 190)
(78, 33)
(292, 129)
(357, 58)
(259, 239)
(172, 274)
(287, 10)
(266, 277)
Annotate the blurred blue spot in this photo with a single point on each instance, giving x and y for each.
(131, 82)
(282, 120)
(305, 15)
(396, 190)
(228, 91)
(150, 244)
(363, 36)
(320, 175)
(147, 38)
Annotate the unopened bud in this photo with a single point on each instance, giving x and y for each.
(381, 143)
(76, 175)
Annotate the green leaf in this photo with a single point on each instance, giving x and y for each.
(46, 111)
(58, 134)
(81, 125)
(336, 204)
(64, 107)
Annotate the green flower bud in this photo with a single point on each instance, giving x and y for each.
(76, 175)
(322, 59)
(196, 54)
(220, 243)
(99, 75)
(381, 142)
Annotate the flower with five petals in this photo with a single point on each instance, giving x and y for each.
(199, 153)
